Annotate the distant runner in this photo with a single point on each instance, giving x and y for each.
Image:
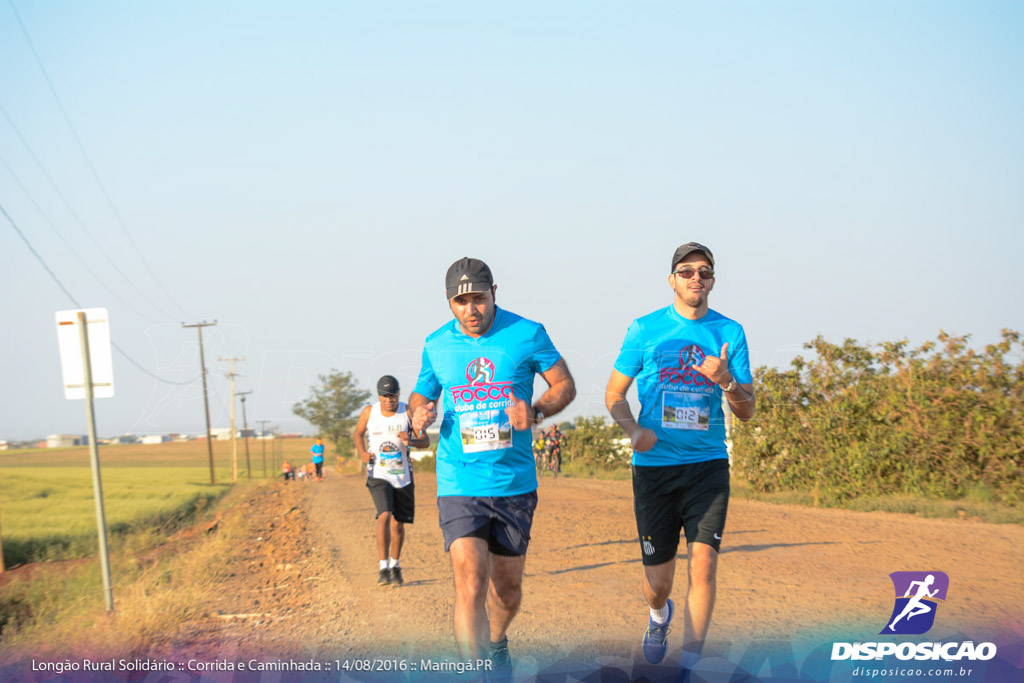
(481, 366)
(318, 458)
(389, 473)
(684, 358)
(287, 472)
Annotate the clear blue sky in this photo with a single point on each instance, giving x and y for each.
(305, 175)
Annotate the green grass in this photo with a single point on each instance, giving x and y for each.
(50, 512)
(47, 509)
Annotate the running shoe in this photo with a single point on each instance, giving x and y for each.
(500, 658)
(655, 642)
(384, 578)
(396, 576)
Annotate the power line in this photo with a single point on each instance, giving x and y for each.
(75, 301)
(74, 213)
(85, 264)
(88, 160)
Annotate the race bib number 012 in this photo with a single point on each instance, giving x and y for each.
(685, 410)
(485, 430)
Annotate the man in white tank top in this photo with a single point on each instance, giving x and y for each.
(382, 440)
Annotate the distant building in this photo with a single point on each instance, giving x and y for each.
(221, 433)
(151, 439)
(3, 445)
(63, 440)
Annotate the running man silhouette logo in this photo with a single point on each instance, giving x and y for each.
(691, 356)
(480, 371)
(917, 594)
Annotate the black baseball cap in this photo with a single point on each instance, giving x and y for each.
(387, 385)
(467, 276)
(687, 249)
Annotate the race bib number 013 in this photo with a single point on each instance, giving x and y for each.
(685, 410)
(485, 430)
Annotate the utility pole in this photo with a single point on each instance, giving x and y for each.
(245, 435)
(263, 433)
(206, 395)
(234, 432)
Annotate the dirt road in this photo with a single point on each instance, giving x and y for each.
(786, 573)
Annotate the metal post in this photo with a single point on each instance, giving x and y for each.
(234, 430)
(206, 396)
(245, 435)
(263, 432)
(94, 457)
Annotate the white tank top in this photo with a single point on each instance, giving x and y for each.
(392, 456)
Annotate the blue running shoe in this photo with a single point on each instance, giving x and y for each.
(655, 643)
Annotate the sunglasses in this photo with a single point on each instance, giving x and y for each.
(686, 272)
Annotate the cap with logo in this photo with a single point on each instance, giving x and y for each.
(687, 249)
(467, 276)
(387, 385)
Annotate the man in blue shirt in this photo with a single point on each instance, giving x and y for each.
(481, 366)
(684, 358)
(318, 458)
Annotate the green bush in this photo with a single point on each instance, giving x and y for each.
(595, 444)
(941, 420)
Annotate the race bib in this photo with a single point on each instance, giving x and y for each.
(685, 410)
(390, 458)
(485, 430)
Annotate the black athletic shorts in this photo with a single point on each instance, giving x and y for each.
(693, 498)
(401, 503)
(503, 521)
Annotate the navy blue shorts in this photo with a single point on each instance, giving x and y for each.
(503, 521)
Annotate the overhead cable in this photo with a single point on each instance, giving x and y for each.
(70, 296)
(77, 255)
(78, 218)
(88, 160)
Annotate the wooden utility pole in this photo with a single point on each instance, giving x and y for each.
(263, 434)
(206, 394)
(245, 435)
(234, 432)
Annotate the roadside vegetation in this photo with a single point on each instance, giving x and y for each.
(152, 495)
(157, 584)
(936, 430)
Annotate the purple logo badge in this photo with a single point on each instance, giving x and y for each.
(917, 596)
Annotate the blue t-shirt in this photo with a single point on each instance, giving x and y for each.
(479, 454)
(681, 406)
(318, 452)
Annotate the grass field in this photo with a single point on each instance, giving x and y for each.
(47, 509)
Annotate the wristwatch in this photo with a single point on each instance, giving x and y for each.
(538, 415)
(731, 386)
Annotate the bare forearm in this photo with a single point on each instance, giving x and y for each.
(359, 439)
(556, 398)
(620, 411)
(742, 401)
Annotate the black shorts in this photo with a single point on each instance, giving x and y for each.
(503, 521)
(401, 503)
(693, 498)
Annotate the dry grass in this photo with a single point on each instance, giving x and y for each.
(154, 593)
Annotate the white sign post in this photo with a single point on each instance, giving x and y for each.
(88, 375)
